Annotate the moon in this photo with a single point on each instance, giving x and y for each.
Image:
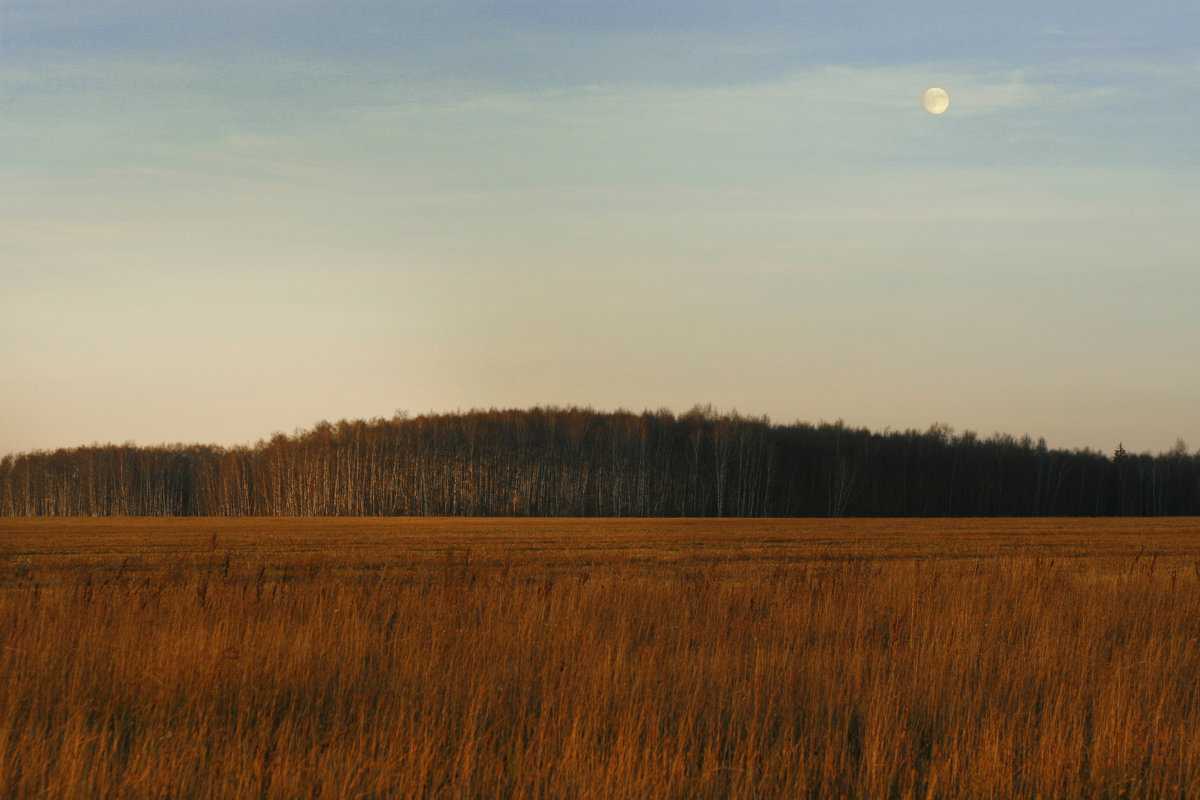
(935, 100)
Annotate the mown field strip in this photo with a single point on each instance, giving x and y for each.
(803, 539)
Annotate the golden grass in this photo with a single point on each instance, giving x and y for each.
(483, 658)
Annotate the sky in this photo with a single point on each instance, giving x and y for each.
(219, 220)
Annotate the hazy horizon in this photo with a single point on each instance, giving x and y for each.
(706, 408)
(225, 220)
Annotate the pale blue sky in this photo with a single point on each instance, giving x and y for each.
(218, 220)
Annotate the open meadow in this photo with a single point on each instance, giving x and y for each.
(582, 658)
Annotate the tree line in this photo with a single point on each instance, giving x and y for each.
(581, 462)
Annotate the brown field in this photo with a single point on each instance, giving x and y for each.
(487, 658)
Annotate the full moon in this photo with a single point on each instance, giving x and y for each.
(935, 100)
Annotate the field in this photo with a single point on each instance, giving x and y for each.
(486, 658)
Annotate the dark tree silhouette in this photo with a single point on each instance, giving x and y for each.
(580, 462)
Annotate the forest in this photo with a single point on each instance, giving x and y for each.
(578, 462)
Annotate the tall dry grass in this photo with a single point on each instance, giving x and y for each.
(609, 664)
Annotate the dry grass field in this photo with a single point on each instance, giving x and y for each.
(484, 658)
